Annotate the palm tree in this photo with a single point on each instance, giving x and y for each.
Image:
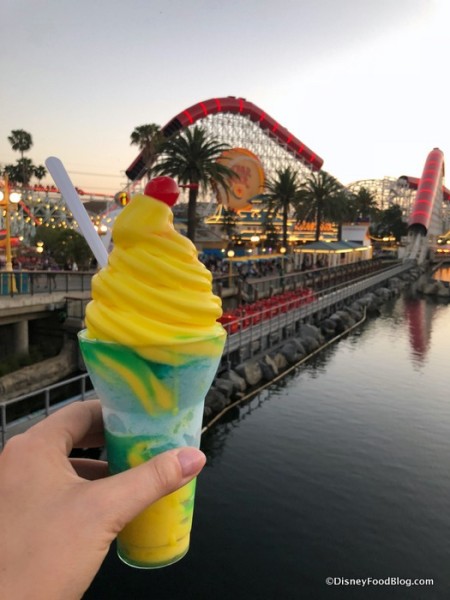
(191, 158)
(40, 172)
(20, 140)
(321, 193)
(269, 229)
(229, 224)
(21, 172)
(364, 204)
(283, 192)
(149, 139)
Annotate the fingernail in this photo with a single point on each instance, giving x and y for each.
(191, 461)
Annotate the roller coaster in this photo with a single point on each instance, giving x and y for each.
(424, 224)
(240, 123)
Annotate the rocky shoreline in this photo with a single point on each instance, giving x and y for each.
(244, 379)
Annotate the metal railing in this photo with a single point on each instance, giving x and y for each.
(251, 288)
(23, 411)
(251, 329)
(20, 283)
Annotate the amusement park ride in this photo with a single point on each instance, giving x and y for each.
(259, 147)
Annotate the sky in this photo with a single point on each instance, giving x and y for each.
(363, 83)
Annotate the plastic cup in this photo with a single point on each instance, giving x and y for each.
(150, 407)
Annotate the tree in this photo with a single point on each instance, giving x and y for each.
(269, 229)
(191, 158)
(149, 139)
(363, 204)
(20, 140)
(321, 194)
(23, 171)
(40, 172)
(283, 192)
(65, 245)
(390, 223)
(229, 224)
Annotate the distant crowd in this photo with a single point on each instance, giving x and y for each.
(264, 268)
(38, 263)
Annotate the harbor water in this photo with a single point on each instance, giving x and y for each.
(339, 471)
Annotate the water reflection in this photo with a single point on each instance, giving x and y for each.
(343, 475)
(420, 313)
(419, 316)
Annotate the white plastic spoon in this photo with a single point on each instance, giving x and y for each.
(69, 193)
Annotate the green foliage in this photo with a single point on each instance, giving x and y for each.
(269, 230)
(24, 169)
(283, 192)
(229, 224)
(362, 205)
(390, 223)
(65, 245)
(148, 138)
(20, 140)
(191, 158)
(323, 196)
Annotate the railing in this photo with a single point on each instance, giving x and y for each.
(251, 287)
(43, 282)
(42, 403)
(248, 332)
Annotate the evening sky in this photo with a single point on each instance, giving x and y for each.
(361, 82)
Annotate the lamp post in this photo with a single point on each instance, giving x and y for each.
(230, 255)
(283, 252)
(5, 199)
(255, 240)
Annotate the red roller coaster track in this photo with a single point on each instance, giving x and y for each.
(239, 106)
(428, 188)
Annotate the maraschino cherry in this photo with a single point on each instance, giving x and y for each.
(163, 188)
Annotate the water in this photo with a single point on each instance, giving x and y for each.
(342, 471)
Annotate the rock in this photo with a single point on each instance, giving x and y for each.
(239, 383)
(355, 314)
(268, 373)
(215, 400)
(383, 293)
(207, 412)
(346, 318)
(442, 290)
(251, 372)
(311, 344)
(280, 361)
(293, 351)
(272, 364)
(225, 386)
(328, 327)
(430, 288)
(340, 325)
(306, 330)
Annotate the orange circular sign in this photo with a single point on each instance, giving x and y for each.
(249, 180)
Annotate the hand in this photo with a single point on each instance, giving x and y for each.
(58, 516)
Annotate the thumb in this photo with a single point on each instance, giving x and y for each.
(125, 495)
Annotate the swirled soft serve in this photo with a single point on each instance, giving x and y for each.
(154, 292)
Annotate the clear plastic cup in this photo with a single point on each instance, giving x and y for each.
(150, 407)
